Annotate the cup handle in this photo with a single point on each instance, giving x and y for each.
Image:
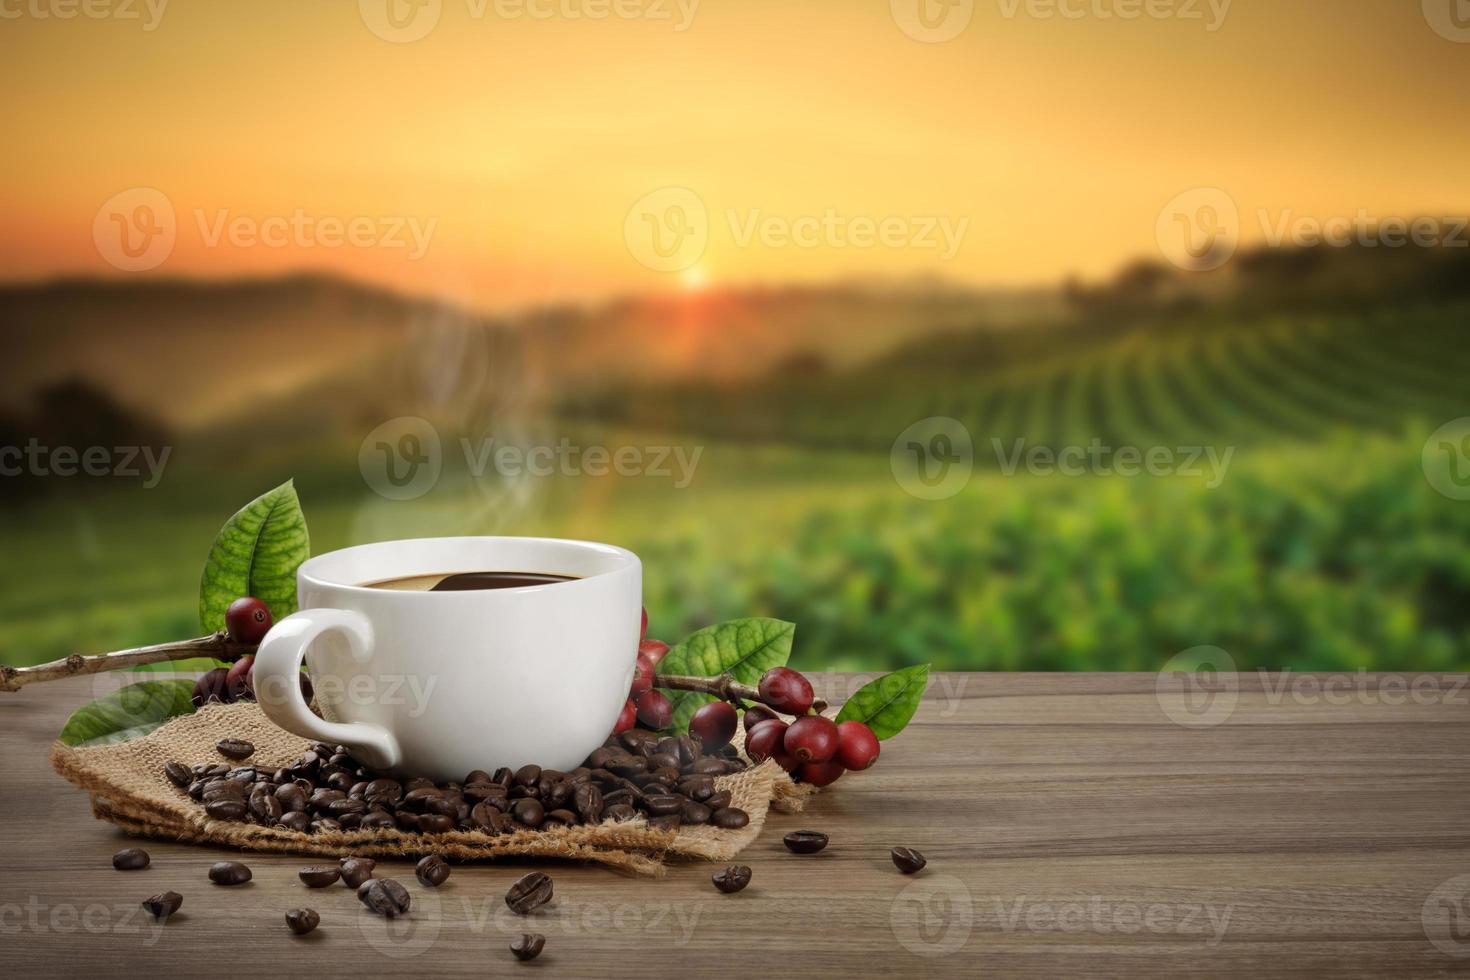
(278, 684)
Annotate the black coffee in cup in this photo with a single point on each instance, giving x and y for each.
(469, 581)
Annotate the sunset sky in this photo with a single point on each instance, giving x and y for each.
(517, 145)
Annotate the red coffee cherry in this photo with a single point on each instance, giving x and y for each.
(655, 711)
(238, 681)
(247, 620)
(820, 773)
(812, 738)
(714, 725)
(654, 650)
(766, 741)
(642, 678)
(787, 691)
(211, 686)
(627, 718)
(755, 714)
(857, 746)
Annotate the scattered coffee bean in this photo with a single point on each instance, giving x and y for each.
(731, 879)
(178, 774)
(729, 818)
(302, 921)
(355, 871)
(805, 841)
(907, 860)
(130, 859)
(530, 892)
(319, 876)
(229, 873)
(528, 946)
(384, 896)
(163, 905)
(432, 871)
(235, 748)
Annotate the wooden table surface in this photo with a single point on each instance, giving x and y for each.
(1074, 824)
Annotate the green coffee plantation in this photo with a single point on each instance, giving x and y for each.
(1324, 546)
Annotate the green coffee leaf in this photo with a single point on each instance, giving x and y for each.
(128, 712)
(256, 553)
(886, 704)
(743, 648)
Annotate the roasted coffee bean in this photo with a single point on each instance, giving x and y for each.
(216, 770)
(528, 893)
(528, 775)
(325, 826)
(710, 765)
(384, 896)
(805, 841)
(528, 946)
(388, 791)
(432, 871)
(731, 879)
(663, 804)
(480, 792)
(619, 812)
(699, 788)
(442, 805)
(341, 808)
(178, 774)
(325, 797)
(729, 818)
(302, 921)
(669, 821)
(529, 812)
(588, 802)
(292, 797)
(407, 821)
(196, 789)
(216, 789)
(226, 808)
(244, 774)
(561, 816)
(130, 859)
(355, 871)
(296, 821)
(664, 760)
(229, 873)
(377, 820)
(695, 813)
(266, 809)
(163, 905)
(718, 800)
(433, 823)
(235, 748)
(477, 776)
(341, 780)
(319, 875)
(907, 860)
(503, 776)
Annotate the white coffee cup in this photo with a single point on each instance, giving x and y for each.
(438, 684)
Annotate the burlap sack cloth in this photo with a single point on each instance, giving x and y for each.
(129, 789)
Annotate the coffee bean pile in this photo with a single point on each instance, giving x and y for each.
(669, 780)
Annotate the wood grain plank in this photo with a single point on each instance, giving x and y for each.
(1072, 827)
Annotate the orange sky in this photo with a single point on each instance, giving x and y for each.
(518, 144)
